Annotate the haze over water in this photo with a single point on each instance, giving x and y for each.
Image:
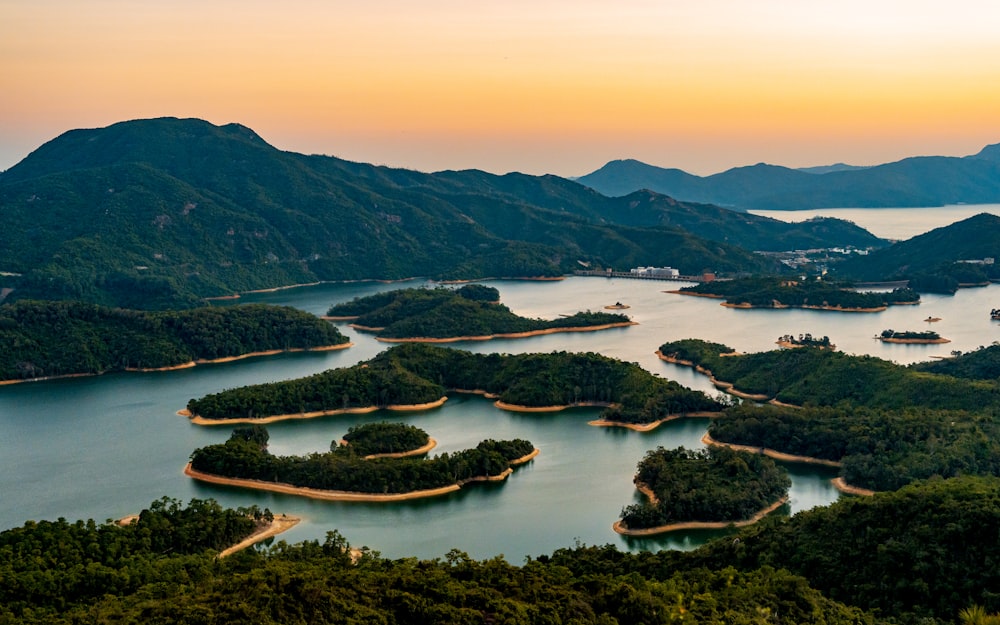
(107, 446)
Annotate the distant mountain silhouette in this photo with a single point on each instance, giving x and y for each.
(161, 212)
(917, 181)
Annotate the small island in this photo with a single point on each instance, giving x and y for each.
(906, 336)
(778, 292)
(790, 341)
(342, 474)
(617, 306)
(711, 488)
(470, 313)
(387, 440)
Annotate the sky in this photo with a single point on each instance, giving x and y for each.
(536, 86)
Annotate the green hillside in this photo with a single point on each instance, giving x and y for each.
(160, 213)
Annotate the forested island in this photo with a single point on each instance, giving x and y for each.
(385, 439)
(44, 339)
(343, 473)
(783, 292)
(712, 487)
(884, 424)
(805, 340)
(417, 375)
(917, 555)
(909, 336)
(472, 312)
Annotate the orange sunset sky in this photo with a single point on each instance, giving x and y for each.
(542, 86)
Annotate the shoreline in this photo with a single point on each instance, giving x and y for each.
(502, 335)
(199, 420)
(790, 345)
(345, 495)
(648, 427)
(277, 525)
(519, 408)
(916, 341)
(419, 451)
(691, 525)
(719, 384)
(184, 365)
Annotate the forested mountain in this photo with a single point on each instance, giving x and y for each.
(158, 213)
(935, 253)
(916, 181)
(45, 338)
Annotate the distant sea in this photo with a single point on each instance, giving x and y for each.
(891, 223)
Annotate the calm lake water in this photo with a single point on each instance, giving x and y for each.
(891, 223)
(107, 446)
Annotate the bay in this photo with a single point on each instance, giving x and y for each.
(103, 447)
(896, 224)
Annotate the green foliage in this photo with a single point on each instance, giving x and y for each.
(713, 484)
(777, 292)
(383, 438)
(805, 340)
(980, 364)
(926, 335)
(447, 313)
(344, 469)
(46, 338)
(418, 373)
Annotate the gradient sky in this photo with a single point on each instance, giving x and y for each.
(541, 86)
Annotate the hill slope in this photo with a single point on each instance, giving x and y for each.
(159, 213)
(917, 181)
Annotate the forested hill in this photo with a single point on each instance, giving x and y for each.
(44, 338)
(159, 213)
(917, 181)
(935, 253)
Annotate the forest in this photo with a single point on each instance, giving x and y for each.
(782, 292)
(383, 438)
(47, 338)
(417, 373)
(712, 484)
(344, 469)
(472, 310)
(923, 555)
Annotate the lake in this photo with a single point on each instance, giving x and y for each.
(103, 447)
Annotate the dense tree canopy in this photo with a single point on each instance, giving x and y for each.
(417, 373)
(779, 292)
(473, 310)
(63, 338)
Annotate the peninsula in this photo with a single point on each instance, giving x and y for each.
(469, 313)
(778, 292)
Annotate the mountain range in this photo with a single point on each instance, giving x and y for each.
(161, 213)
(916, 181)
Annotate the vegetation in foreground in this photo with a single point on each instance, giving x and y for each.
(709, 485)
(440, 313)
(924, 554)
(68, 338)
(417, 373)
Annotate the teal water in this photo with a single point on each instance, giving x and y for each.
(104, 447)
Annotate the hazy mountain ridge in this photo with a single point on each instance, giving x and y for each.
(915, 181)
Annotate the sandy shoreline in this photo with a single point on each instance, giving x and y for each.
(278, 525)
(746, 306)
(790, 345)
(419, 451)
(916, 341)
(199, 420)
(691, 525)
(647, 427)
(343, 495)
(508, 335)
(518, 408)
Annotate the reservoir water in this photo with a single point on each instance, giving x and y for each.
(103, 447)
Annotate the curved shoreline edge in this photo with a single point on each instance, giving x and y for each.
(502, 335)
(747, 306)
(344, 495)
(199, 420)
(647, 427)
(691, 525)
(419, 451)
(188, 364)
(277, 525)
(719, 384)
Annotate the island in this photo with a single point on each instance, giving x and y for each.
(780, 292)
(906, 336)
(790, 341)
(884, 425)
(343, 475)
(469, 313)
(51, 339)
(387, 440)
(414, 376)
(711, 488)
